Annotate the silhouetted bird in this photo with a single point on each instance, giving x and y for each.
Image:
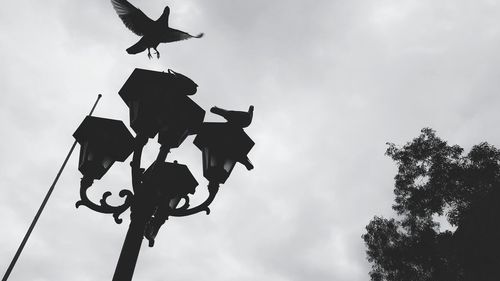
(153, 32)
(238, 118)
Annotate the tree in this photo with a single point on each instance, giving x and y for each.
(436, 179)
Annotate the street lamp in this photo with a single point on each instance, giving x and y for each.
(159, 104)
(102, 142)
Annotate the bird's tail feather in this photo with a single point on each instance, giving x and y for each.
(137, 48)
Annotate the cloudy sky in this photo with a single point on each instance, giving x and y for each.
(331, 82)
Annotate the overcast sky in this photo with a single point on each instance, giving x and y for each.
(331, 82)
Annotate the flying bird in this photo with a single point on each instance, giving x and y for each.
(238, 118)
(153, 32)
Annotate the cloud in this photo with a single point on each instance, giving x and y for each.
(331, 82)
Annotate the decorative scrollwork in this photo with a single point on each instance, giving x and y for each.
(104, 207)
(183, 211)
(184, 206)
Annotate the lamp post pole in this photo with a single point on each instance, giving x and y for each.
(140, 212)
(131, 247)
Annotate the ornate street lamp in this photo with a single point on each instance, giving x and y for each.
(102, 142)
(159, 104)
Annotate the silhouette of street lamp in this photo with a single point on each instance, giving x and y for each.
(102, 142)
(159, 105)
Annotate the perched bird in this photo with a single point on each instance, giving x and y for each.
(153, 32)
(238, 118)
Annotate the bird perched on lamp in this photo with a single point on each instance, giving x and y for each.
(153, 32)
(237, 118)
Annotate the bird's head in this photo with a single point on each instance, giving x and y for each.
(250, 109)
(166, 11)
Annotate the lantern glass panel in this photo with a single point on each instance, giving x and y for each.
(92, 163)
(229, 165)
(107, 162)
(218, 161)
(174, 202)
(83, 149)
(134, 111)
(213, 160)
(217, 166)
(205, 158)
(86, 154)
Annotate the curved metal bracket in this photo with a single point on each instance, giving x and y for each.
(104, 207)
(183, 211)
(184, 206)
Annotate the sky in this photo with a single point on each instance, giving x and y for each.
(331, 81)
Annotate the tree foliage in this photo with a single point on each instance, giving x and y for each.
(436, 179)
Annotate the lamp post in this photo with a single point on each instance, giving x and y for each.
(159, 105)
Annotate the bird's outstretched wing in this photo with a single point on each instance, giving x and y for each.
(163, 19)
(133, 18)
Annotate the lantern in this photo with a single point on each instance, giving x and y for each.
(222, 145)
(169, 180)
(155, 100)
(102, 142)
(180, 117)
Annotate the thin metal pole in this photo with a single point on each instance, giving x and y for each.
(30, 229)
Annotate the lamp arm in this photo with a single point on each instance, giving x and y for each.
(104, 207)
(183, 211)
(162, 154)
